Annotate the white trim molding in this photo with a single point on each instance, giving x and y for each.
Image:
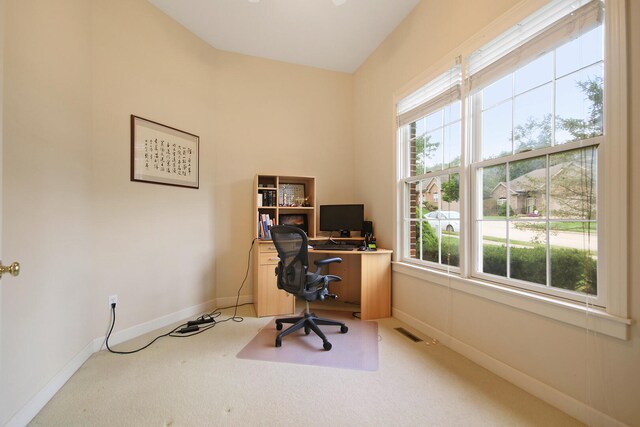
(613, 203)
(36, 403)
(580, 315)
(544, 392)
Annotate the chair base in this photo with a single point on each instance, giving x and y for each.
(309, 322)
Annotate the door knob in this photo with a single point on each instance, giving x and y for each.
(13, 269)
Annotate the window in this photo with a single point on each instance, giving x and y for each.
(531, 206)
(512, 140)
(432, 162)
(551, 103)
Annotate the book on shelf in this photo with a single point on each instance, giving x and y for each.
(264, 226)
(267, 197)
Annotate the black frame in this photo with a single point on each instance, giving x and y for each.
(136, 174)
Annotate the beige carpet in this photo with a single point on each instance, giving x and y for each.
(198, 381)
(357, 349)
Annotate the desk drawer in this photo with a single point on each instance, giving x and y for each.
(269, 258)
(267, 247)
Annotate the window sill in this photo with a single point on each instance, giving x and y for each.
(590, 318)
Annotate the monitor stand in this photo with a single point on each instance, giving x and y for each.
(344, 234)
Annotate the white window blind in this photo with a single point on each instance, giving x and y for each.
(439, 92)
(539, 33)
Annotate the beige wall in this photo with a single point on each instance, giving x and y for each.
(274, 118)
(424, 38)
(75, 72)
(600, 371)
(46, 311)
(153, 244)
(185, 246)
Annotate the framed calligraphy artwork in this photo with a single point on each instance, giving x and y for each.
(163, 155)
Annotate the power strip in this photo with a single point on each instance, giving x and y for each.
(188, 329)
(200, 321)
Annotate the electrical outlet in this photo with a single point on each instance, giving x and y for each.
(113, 299)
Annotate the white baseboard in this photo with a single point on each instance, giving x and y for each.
(161, 322)
(152, 325)
(35, 404)
(542, 391)
(231, 301)
(31, 409)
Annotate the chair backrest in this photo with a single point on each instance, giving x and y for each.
(292, 246)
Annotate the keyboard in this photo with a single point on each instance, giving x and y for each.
(334, 247)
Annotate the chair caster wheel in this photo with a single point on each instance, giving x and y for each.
(327, 345)
(278, 342)
(279, 326)
(307, 330)
(344, 329)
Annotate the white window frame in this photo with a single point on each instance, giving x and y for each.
(438, 94)
(600, 299)
(406, 248)
(612, 192)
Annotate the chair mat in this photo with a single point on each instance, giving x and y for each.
(357, 349)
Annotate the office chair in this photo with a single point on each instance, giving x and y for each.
(294, 278)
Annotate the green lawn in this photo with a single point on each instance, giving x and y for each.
(525, 244)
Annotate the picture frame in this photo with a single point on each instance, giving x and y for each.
(291, 195)
(164, 155)
(294, 220)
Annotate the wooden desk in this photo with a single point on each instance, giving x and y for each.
(366, 279)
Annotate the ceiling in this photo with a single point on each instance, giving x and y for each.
(330, 34)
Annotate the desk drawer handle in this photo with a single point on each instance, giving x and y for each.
(274, 259)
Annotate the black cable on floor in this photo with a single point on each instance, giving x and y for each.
(246, 274)
(176, 332)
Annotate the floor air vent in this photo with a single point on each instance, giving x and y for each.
(429, 340)
(408, 334)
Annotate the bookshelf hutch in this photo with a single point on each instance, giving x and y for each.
(277, 196)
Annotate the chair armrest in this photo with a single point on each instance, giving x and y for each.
(325, 261)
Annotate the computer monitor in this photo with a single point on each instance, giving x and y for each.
(342, 218)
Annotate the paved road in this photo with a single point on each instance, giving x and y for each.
(557, 238)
